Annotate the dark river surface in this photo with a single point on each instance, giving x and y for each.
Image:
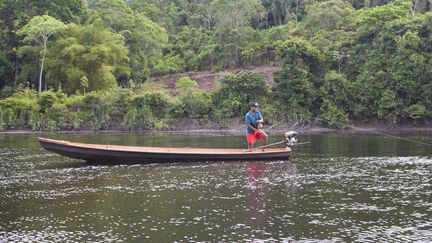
(342, 187)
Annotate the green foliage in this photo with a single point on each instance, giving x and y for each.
(101, 118)
(327, 15)
(236, 14)
(84, 83)
(170, 64)
(158, 103)
(298, 82)
(259, 46)
(416, 111)
(335, 89)
(388, 106)
(197, 105)
(235, 92)
(140, 118)
(2, 122)
(185, 83)
(333, 115)
(192, 47)
(18, 108)
(363, 60)
(8, 118)
(76, 120)
(17, 12)
(87, 51)
(46, 100)
(40, 28)
(176, 109)
(372, 19)
(120, 99)
(98, 109)
(143, 37)
(6, 69)
(57, 115)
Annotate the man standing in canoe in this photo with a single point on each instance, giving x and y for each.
(254, 122)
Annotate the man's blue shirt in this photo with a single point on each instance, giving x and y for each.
(252, 119)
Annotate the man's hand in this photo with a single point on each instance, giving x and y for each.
(260, 123)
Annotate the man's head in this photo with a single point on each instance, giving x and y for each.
(254, 106)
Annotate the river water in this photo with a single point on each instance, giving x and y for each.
(340, 187)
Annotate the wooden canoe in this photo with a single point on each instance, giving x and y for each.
(102, 153)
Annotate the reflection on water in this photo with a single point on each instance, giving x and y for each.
(343, 187)
(256, 192)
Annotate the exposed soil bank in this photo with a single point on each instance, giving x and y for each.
(207, 80)
(240, 129)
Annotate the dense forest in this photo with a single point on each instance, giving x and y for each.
(80, 64)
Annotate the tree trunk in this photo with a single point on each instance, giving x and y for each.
(16, 73)
(42, 66)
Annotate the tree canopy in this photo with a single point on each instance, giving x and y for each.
(338, 60)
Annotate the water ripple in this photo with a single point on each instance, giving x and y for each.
(45, 197)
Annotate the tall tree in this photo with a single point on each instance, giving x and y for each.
(143, 37)
(237, 14)
(39, 29)
(300, 78)
(90, 53)
(329, 15)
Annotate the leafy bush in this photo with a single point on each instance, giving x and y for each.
(388, 106)
(171, 64)
(184, 83)
(415, 111)
(22, 106)
(96, 106)
(75, 102)
(76, 119)
(5, 92)
(176, 109)
(101, 118)
(9, 118)
(332, 115)
(57, 113)
(235, 92)
(300, 77)
(2, 125)
(46, 100)
(197, 104)
(93, 99)
(120, 99)
(138, 119)
(158, 103)
(335, 89)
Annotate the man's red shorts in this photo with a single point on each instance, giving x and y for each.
(253, 137)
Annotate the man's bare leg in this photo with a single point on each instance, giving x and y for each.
(265, 139)
(250, 146)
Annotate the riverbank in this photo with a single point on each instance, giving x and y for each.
(239, 129)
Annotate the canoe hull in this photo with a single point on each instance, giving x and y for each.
(121, 154)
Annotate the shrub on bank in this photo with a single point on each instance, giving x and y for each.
(235, 92)
(160, 108)
(18, 109)
(139, 118)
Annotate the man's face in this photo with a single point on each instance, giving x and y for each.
(254, 108)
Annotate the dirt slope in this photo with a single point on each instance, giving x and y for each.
(207, 80)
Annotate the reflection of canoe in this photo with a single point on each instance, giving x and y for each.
(131, 154)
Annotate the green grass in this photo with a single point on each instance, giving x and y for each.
(150, 87)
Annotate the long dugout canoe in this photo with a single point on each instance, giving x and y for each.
(101, 153)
